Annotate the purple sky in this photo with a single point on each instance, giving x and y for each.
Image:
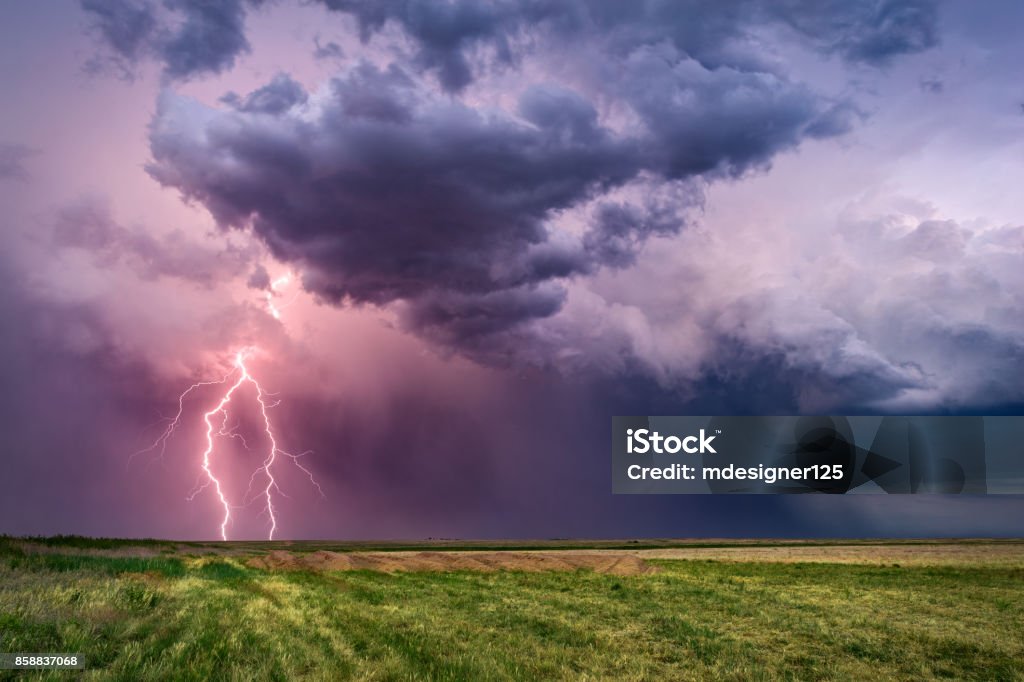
(503, 223)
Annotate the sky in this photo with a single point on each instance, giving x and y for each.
(457, 237)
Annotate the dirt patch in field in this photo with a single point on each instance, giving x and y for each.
(939, 554)
(612, 563)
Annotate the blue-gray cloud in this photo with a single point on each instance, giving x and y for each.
(872, 32)
(394, 184)
(384, 189)
(276, 97)
(195, 37)
(188, 37)
(387, 190)
(126, 27)
(448, 35)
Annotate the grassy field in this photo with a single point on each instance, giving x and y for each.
(166, 611)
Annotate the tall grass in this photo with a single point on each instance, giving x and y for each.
(172, 618)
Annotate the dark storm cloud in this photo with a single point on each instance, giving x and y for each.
(193, 37)
(619, 228)
(391, 193)
(447, 33)
(127, 27)
(12, 161)
(208, 40)
(873, 31)
(751, 377)
(473, 211)
(189, 37)
(385, 190)
(469, 321)
(206, 37)
(278, 96)
(722, 120)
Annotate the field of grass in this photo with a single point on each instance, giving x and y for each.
(164, 611)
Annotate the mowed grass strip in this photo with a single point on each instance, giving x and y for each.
(179, 617)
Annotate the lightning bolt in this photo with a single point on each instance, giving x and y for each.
(272, 291)
(216, 421)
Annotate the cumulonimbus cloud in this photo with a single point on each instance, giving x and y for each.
(422, 181)
(383, 187)
(192, 37)
(449, 35)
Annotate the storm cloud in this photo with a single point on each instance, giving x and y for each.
(472, 214)
(188, 37)
(578, 209)
(896, 312)
(455, 40)
(450, 36)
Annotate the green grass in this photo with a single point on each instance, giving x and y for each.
(179, 617)
(83, 542)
